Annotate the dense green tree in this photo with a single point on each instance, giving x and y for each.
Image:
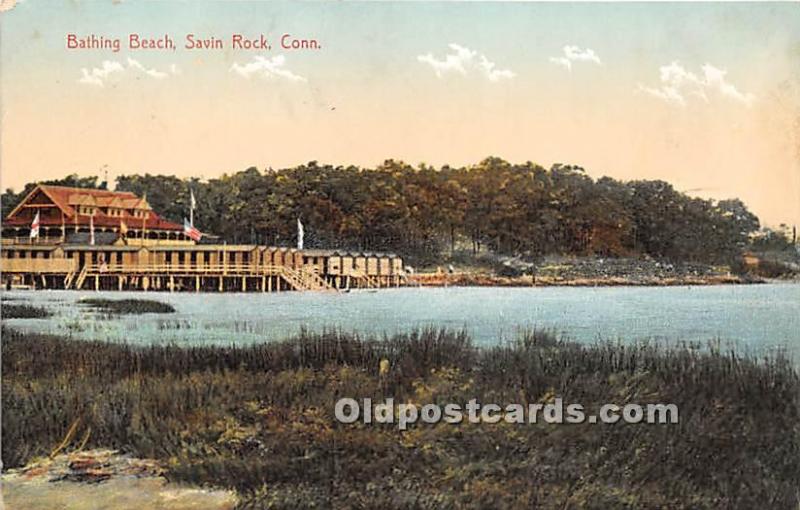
(424, 212)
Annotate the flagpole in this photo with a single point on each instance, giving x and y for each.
(191, 207)
(300, 234)
(34, 235)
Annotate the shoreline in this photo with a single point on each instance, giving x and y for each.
(486, 280)
(124, 482)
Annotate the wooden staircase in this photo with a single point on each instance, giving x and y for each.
(316, 281)
(304, 280)
(68, 278)
(81, 277)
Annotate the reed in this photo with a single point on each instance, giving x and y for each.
(127, 306)
(23, 311)
(259, 419)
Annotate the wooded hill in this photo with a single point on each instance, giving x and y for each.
(425, 212)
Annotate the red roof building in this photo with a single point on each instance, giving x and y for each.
(64, 211)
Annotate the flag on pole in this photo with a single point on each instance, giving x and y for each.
(300, 234)
(190, 231)
(144, 220)
(91, 230)
(35, 226)
(192, 205)
(123, 231)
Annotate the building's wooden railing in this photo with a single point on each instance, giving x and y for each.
(30, 265)
(27, 241)
(364, 280)
(188, 269)
(23, 241)
(298, 279)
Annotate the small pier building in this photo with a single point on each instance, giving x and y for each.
(107, 240)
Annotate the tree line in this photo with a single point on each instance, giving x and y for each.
(424, 212)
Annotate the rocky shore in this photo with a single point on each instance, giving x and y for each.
(489, 280)
(589, 272)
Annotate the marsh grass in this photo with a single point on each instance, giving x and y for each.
(22, 311)
(127, 306)
(259, 419)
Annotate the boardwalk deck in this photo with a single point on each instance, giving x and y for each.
(196, 277)
(185, 268)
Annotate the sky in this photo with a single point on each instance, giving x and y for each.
(705, 96)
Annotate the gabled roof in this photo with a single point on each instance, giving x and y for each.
(314, 252)
(135, 203)
(64, 197)
(68, 198)
(81, 199)
(110, 202)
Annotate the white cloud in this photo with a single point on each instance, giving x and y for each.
(575, 54)
(99, 75)
(562, 61)
(270, 68)
(678, 83)
(7, 5)
(153, 73)
(715, 78)
(463, 61)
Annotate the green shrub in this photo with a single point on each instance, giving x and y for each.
(259, 419)
(128, 306)
(22, 311)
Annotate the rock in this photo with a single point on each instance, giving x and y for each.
(103, 479)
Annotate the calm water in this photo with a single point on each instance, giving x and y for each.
(756, 318)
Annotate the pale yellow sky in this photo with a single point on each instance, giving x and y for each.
(618, 99)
